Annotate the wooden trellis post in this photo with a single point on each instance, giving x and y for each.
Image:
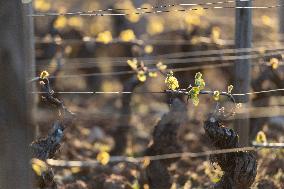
(243, 38)
(16, 55)
(281, 20)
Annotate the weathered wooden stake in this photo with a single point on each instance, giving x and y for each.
(16, 55)
(243, 38)
(281, 20)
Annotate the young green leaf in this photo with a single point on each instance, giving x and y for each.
(216, 95)
(171, 81)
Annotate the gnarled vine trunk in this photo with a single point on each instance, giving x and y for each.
(165, 141)
(239, 167)
(121, 131)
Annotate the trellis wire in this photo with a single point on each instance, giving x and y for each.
(183, 54)
(268, 145)
(132, 72)
(149, 92)
(114, 159)
(135, 41)
(215, 52)
(203, 39)
(184, 61)
(91, 13)
(119, 73)
(259, 92)
(159, 6)
(178, 60)
(220, 51)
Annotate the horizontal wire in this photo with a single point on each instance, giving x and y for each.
(149, 92)
(64, 163)
(132, 72)
(85, 39)
(268, 145)
(156, 7)
(190, 68)
(113, 159)
(135, 41)
(172, 5)
(192, 53)
(158, 42)
(218, 52)
(105, 74)
(206, 59)
(119, 73)
(211, 3)
(202, 39)
(259, 92)
(151, 12)
(217, 55)
(181, 60)
(92, 12)
(222, 51)
(169, 55)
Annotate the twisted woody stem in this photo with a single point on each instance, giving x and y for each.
(186, 92)
(46, 147)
